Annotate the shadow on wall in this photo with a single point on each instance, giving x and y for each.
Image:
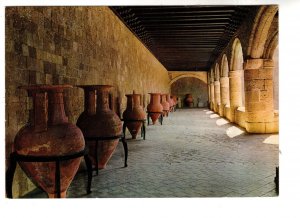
(193, 86)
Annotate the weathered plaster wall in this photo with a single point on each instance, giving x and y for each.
(71, 45)
(190, 85)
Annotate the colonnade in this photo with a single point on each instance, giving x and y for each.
(257, 114)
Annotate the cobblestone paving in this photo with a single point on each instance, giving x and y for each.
(195, 153)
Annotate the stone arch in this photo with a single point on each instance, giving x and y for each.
(271, 46)
(224, 66)
(237, 95)
(217, 72)
(211, 89)
(186, 75)
(211, 76)
(193, 85)
(217, 88)
(237, 60)
(224, 83)
(259, 69)
(260, 30)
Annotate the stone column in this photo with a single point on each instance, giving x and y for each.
(212, 96)
(217, 96)
(224, 81)
(208, 87)
(259, 96)
(235, 84)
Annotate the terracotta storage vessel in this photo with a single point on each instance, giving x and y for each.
(155, 106)
(98, 120)
(48, 133)
(174, 98)
(134, 111)
(171, 103)
(189, 100)
(165, 104)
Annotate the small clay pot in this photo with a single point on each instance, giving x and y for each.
(174, 98)
(49, 133)
(98, 120)
(155, 106)
(134, 111)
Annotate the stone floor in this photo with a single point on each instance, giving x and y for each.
(195, 153)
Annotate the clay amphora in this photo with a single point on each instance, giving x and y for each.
(189, 100)
(48, 133)
(155, 106)
(174, 98)
(171, 103)
(165, 104)
(134, 111)
(98, 120)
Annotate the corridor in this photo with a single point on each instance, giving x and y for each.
(195, 153)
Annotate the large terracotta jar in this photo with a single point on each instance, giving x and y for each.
(134, 111)
(171, 103)
(165, 104)
(48, 133)
(174, 98)
(189, 100)
(155, 106)
(98, 120)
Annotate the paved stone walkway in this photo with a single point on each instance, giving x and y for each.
(195, 153)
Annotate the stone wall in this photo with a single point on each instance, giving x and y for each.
(71, 45)
(190, 85)
(276, 80)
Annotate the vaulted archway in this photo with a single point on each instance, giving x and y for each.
(236, 80)
(224, 83)
(259, 68)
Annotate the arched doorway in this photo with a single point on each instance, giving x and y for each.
(191, 85)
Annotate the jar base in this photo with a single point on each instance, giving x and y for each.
(54, 195)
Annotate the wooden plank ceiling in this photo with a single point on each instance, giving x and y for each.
(184, 38)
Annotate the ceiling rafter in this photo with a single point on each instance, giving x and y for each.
(184, 38)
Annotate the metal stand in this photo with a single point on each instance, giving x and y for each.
(276, 180)
(97, 139)
(143, 129)
(160, 118)
(15, 158)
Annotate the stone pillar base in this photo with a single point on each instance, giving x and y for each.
(239, 116)
(221, 110)
(262, 127)
(215, 108)
(232, 114)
